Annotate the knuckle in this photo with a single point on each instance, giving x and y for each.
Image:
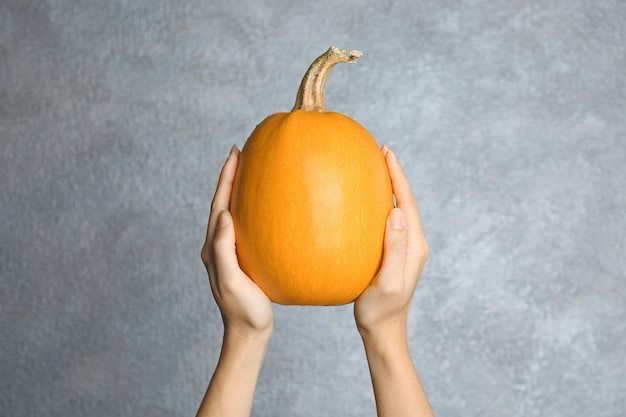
(392, 288)
(419, 249)
(425, 251)
(204, 254)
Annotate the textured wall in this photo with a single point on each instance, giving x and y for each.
(115, 117)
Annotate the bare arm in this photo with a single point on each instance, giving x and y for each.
(381, 312)
(246, 311)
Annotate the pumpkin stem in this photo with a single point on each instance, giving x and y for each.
(310, 95)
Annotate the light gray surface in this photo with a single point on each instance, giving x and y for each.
(115, 118)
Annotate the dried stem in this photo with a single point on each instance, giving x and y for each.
(310, 95)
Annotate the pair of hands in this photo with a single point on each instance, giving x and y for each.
(382, 308)
(381, 311)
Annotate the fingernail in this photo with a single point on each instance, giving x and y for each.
(396, 219)
(385, 149)
(233, 149)
(223, 220)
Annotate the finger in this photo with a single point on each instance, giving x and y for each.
(225, 255)
(221, 199)
(405, 199)
(391, 277)
(401, 187)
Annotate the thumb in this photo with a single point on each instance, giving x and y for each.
(391, 275)
(224, 245)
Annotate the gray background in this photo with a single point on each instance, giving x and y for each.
(115, 118)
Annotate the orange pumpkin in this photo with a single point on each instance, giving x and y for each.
(310, 199)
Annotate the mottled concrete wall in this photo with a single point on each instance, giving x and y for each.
(116, 116)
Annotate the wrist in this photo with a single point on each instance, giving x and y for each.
(246, 336)
(231, 390)
(392, 329)
(383, 339)
(243, 351)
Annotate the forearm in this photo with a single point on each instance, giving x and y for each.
(231, 390)
(397, 387)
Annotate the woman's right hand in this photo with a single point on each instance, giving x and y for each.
(245, 308)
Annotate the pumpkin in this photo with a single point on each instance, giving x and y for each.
(310, 199)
